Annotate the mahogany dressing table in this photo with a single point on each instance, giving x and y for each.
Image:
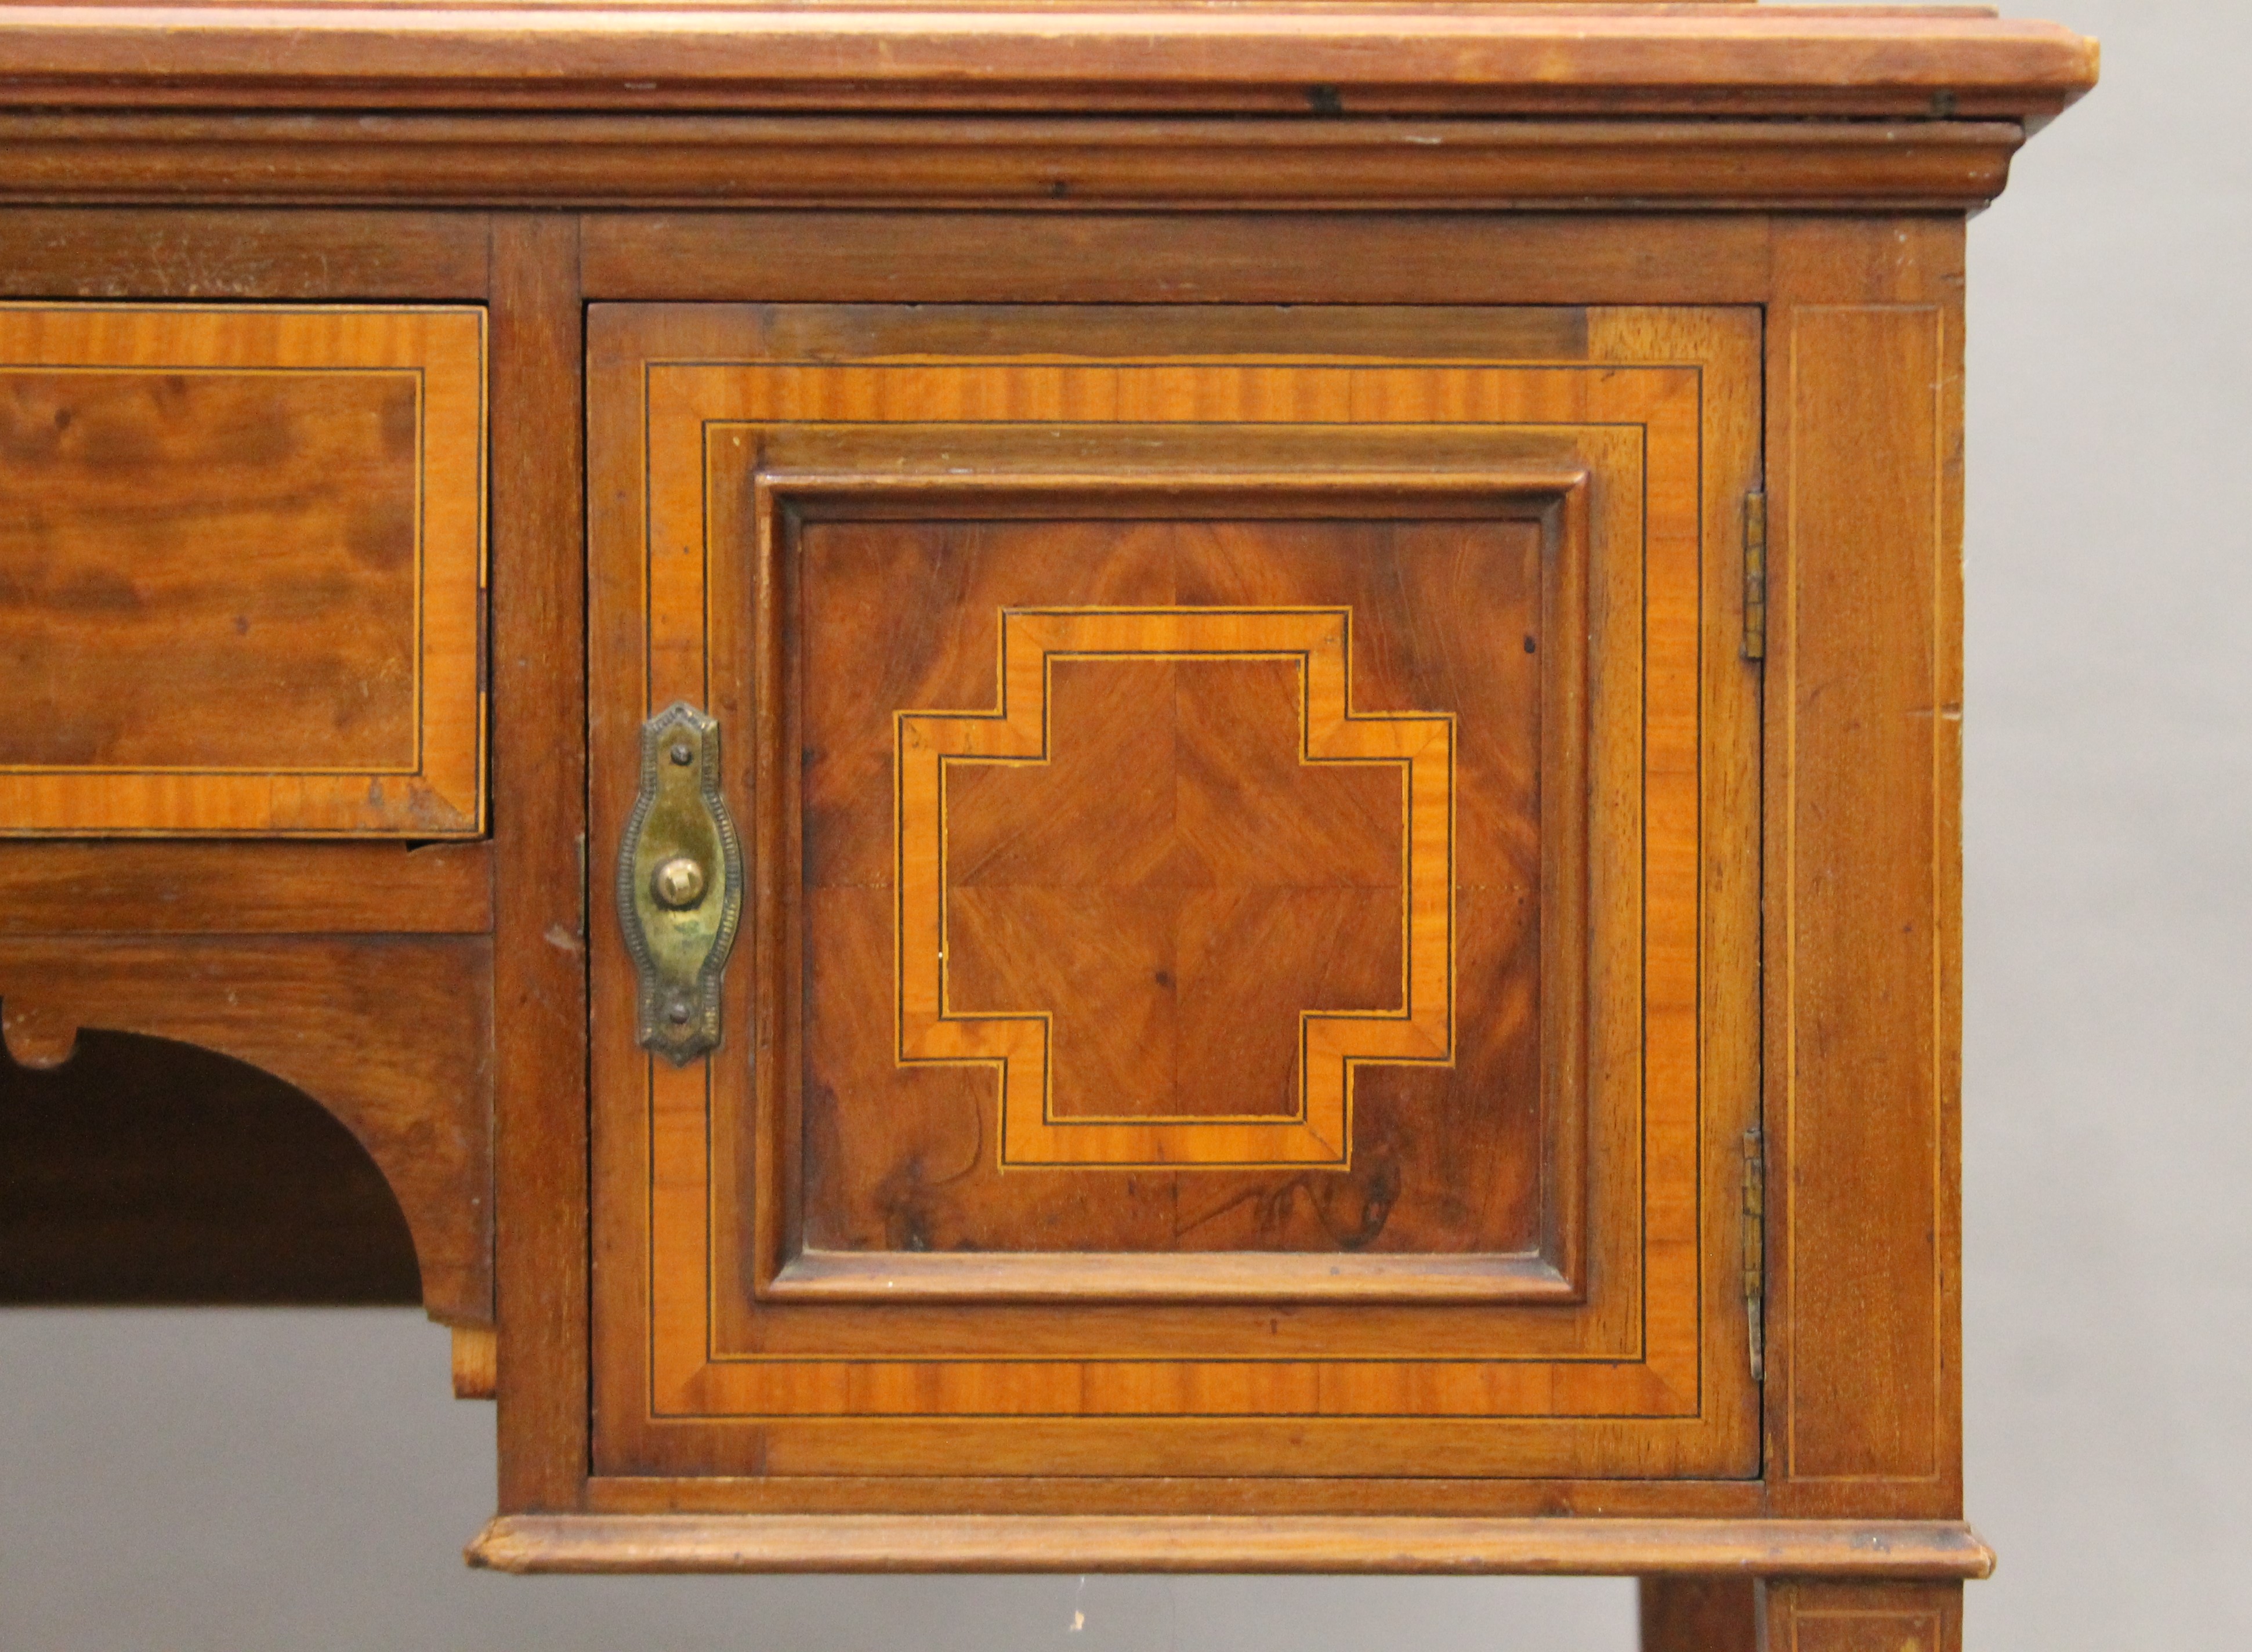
(1151, 787)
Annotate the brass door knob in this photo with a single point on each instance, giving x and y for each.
(676, 884)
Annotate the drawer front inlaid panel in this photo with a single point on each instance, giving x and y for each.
(239, 570)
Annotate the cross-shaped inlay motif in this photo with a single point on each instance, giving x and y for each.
(1174, 888)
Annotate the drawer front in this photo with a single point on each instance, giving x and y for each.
(1248, 964)
(240, 571)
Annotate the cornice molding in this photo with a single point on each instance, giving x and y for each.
(981, 161)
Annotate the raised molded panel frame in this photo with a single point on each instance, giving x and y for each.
(1554, 498)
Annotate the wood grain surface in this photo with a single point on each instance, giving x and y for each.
(1210, 885)
(142, 1171)
(1044, 161)
(187, 252)
(303, 493)
(1806, 1615)
(1212, 848)
(1402, 574)
(1177, 921)
(269, 522)
(1840, 1549)
(540, 884)
(391, 1036)
(1864, 798)
(690, 1352)
(1491, 284)
(1163, 1387)
(1699, 1613)
(1385, 58)
(49, 887)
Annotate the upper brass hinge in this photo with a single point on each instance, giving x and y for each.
(1755, 1239)
(1755, 576)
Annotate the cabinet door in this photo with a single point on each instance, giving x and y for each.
(1247, 963)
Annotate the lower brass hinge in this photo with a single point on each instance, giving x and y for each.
(1754, 1238)
(1755, 576)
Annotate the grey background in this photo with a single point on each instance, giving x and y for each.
(251, 1480)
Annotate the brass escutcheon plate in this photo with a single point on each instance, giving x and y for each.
(680, 883)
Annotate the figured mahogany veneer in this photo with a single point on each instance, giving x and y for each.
(1250, 942)
(1160, 895)
(1336, 633)
(926, 539)
(1196, 866)
(271, 523)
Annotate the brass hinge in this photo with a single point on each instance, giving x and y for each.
(1755, 1237)
(1755, 576)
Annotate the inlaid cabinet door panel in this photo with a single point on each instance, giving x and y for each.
(240, 571)
(1243, 970)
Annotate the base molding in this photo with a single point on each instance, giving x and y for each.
(670, 1543)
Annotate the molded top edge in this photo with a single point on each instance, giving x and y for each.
(1703, 57)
